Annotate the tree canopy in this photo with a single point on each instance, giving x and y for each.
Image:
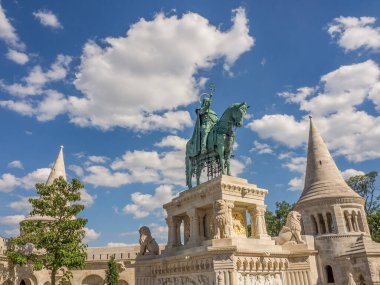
(112, 274)
(51, 238)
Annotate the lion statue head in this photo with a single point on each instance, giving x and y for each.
(144, 232)
(293, 221)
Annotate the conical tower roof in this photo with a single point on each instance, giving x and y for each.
(58, 168)
(323, 178)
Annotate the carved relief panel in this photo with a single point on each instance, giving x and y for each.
(239, 222)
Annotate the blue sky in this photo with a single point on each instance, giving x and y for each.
(117, 84)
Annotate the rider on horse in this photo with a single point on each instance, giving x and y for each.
(206, 119)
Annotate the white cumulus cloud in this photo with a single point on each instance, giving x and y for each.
(48, 18)
(15, 164)
(140, 80)
(353, 33)
(91, 234)
(8, 32)
(11, 220)
(17, 56)
(336, 107)
(8, 182)
(145, 204)
(348, 173)
(261, 148)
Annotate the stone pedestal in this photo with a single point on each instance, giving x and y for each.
(215, 247)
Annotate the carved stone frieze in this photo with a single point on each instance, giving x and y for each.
(184, 280)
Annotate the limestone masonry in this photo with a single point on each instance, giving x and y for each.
(326, 240)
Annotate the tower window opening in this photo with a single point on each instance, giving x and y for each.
(321, 224)
(329, 222)
(329, 274)
(314, 224)
(348, 229)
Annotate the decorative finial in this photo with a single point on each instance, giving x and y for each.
(61, 146)
(310, 117)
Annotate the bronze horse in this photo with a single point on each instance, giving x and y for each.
(220, 142)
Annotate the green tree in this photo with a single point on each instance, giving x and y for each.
(112, 274)
(275, 221)
(365, 186)
(55, 234)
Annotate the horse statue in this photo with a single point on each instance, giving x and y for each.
(220, 140)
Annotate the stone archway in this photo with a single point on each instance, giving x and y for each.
(123, 282)
(93, 280)
(26, 281)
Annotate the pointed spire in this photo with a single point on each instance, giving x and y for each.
(58, 168)
(323, 178)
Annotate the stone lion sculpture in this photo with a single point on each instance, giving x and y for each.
(148, 246)
(222, 219)
(291, 232)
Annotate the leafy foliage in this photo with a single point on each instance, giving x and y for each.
(112, 274)
(53, 238)
(365, 186)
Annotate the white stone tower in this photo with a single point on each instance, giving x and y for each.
(58, 168)
(334, 214)
(57, 171)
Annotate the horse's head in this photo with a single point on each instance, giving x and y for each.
(239, 113)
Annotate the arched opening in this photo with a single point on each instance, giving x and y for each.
(123, 282)
(329, 222)
(204, 225)
(361, 280)
(329, 274)
(321, 224)
(93, 280)
(22, 282)
(186, 229)
(314, 225)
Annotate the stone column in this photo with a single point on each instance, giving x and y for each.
(230, 206)
(177, 231)
(251, 212)
(356, 224)
(169, 222)
(194, 226)
(260, 227)
(349, 220)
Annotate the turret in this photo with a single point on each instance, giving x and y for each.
(327, 204)
(58, 170)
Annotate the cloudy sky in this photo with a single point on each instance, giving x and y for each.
(117, 84)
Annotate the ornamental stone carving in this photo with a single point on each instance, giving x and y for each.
(223, 219)
(148, 246)
(291, 232)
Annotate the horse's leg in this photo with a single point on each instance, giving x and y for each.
(230, 144)
(188, 173)
(220, 146)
